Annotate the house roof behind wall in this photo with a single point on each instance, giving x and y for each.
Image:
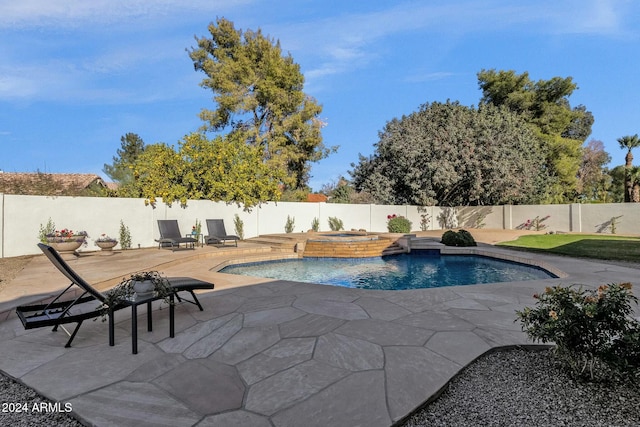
(56, 184)
(316, 197)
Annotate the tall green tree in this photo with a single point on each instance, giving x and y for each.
(221, 169)
(593, 179)
(451, 155)
(545, 105)
(628, 142)
(258, 92)
(635, 184)
(121, 169)
(343, 191)
(616, 192)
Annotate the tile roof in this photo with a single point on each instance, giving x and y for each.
(316, 197)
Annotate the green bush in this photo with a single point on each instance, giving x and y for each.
(592, 329)
(398, 224)
(335, 223)
(125, 236)
(49, 228)
(315, 224)
(460, 238)
(238, 224)
(288, 227)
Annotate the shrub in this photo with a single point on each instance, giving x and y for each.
(335, 224)
(125, 236)
(239, 226)
(592, 329)
(425, 218)
(613, 224)
(534, 224)
(288, 226)
(398, 224)
(460, 238)
(45, 230)
(315, 224)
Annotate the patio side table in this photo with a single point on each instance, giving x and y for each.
(134, 303)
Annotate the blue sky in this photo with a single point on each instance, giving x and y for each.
(77, 75)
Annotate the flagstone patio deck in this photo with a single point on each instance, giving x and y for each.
(267, 352)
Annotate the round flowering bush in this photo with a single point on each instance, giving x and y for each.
(593, 329)
(398, 224)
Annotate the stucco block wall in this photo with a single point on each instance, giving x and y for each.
(22, 216)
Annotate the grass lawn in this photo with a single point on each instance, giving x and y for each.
(598, 246)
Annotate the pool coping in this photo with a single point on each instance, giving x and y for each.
(446, 250)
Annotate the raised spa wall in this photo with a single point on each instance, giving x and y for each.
(352, 245)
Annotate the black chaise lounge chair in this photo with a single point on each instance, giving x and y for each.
(217, 233)
(88, 302)
(170, 235)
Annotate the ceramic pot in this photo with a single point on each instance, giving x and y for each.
(66, 247)
(144, 288)
(106, 246)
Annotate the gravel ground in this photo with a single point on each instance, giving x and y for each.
(527, 388)
(505, 388)
(10, 267)
(21, 406)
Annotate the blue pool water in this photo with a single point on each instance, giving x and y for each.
(398, 272)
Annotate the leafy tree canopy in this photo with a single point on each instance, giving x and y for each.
(259, 97)
(617, 193)
(593, 179)
(343, 191)
(449, 154)
(223, 168)
(545, 105)
(120, 171)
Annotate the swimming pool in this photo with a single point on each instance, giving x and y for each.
(397, 272)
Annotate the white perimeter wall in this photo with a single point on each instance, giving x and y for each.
(22, 216)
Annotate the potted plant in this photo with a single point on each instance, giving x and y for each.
(138, 285)
(105, 242)
(66, 240)
(197, 229)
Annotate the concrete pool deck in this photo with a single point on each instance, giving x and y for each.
(265, 352)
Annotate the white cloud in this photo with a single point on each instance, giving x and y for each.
(328, 46)
(350, 42)
(14, 86)
(594, 17)
(75, 13)
(428, 77)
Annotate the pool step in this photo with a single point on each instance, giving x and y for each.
(393, 249)
(425, 243)
(277, 243)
